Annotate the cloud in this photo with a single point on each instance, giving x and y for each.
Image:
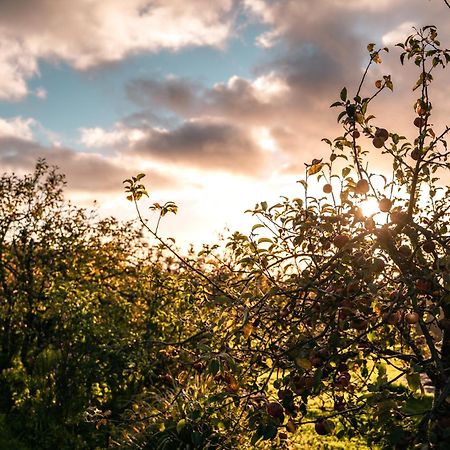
(86, 34)
(398, 34)
(86, 172)
(17, 64)
(17, 127)
(41, 93)
(176, 94)
(206, 144)
(99, 138)
(313, 50)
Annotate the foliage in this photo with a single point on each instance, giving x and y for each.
(84, 303)
(326, 315)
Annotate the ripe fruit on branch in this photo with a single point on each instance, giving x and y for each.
(382, 133)
(421, 107)
(405, 250)
(275, 410)
(362, 187)
(396, 296)
(327, 188)
(415, 154)
(377, 142)
(356, 134)
(343, 379)
(369, 224)
(411, 317)
(339, 406)
(341, 240)
(424, 285)
(385, 205)
(428, 246)
(391, 318)
(419, 122)
(324, 427)
(353, 287)
(378, 265)
(303, 382)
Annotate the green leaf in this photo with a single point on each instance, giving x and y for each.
(413, 380)
(345, 172)
(214, 366)
(343, 94)
(180, 425)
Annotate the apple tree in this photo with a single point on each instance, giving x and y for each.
(326, 315)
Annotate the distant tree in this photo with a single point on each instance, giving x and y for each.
(331, 316)
(82, 301)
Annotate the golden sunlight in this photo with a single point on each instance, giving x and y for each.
(369, 207)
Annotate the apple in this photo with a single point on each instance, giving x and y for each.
(382, 133)
(385, 205)
(339, 406)
(378, 265)
(343, 379)
(391, 318)
(415, 154)
(369, 224)
(424, 285)
(285, 393)
(377, 142)
(428, 246)
(275, 410)
(341, 240)
(419, 122)
(411, 318)
(324, 427)
(396, 295)
(362, 187)
(421, 107)
(405, 250)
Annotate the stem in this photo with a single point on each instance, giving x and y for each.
(180, 258)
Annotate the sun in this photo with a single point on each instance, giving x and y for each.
(369, 207)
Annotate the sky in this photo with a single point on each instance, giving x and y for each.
(219, 102)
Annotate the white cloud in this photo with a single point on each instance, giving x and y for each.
(85, 33)
(16, 65)
(17, 127)
(268, 39)
(41, 93)
(398, 34)
(364, 5)
(269, 87)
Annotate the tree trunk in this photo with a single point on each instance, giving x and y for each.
(440, 424)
